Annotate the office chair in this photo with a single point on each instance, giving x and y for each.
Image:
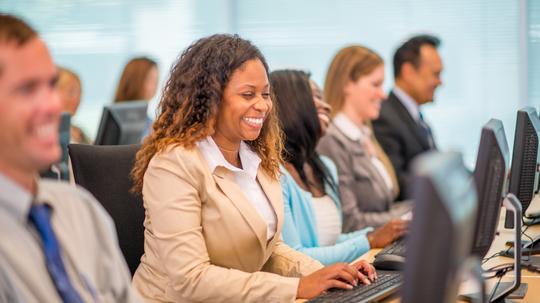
(105, 172)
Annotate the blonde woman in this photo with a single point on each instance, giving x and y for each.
(69, 89)
(367, 182)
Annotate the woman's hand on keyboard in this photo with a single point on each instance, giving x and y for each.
(387, 233)
(365, 270)
(339, 275)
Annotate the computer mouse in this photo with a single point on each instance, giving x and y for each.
(389, 262)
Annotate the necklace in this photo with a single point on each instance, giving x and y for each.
(232, 156)
(227, 150)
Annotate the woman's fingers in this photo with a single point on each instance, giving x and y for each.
(338, 284)
(367, 269)
(347, 273)
(363, 278)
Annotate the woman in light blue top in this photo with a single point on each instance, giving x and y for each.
(313, 217)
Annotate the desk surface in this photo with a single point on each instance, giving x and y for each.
(499, 243)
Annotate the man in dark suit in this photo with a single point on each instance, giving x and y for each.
(401, 129)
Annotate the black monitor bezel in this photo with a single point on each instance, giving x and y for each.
(493, 144)
(515, 183)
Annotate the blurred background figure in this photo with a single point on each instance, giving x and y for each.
(492, 66)
(309, 182)
(367, 182)
(401, 128)
(69, 90)
(139, 81)
(58, 243)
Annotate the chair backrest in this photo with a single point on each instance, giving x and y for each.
(105, 172)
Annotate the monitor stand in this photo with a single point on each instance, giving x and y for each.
(514, 289)
(528, 247)
(511, 203)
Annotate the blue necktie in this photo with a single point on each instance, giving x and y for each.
(426, 131)
(40, 217)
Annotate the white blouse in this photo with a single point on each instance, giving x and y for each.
(245, 177)
(328, 220)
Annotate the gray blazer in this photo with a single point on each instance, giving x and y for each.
(366, 199)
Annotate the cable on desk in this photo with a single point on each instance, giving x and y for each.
(501, 269)
(530, 267)
(505, 252)
(497, 254)
(523, 233)
(495, 288)
(498, 270)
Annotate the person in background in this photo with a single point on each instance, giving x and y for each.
(139, 81)
(69, 90)
(209, 177)
(313, 218)
(367, 182)
(401, 128)
(57, 244)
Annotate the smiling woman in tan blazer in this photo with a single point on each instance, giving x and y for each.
(208, 174)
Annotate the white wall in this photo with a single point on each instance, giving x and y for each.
(481, 46)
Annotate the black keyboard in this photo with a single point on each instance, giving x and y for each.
(387, 284)
(395, 248)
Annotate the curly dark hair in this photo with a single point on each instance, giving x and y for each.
(191, 98)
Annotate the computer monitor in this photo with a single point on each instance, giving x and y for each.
(524, 171)
(60, 170)
(122, 123)
(441, 229)
(490, 173)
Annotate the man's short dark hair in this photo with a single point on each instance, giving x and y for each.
(410, 51)
(13, 29)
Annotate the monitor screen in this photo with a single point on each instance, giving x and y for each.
(60, 170)
(441, 229)
(123, 123)
(490, 174)
(524, 171)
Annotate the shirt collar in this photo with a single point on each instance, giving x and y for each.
(349, 129)
(250, 160)
(14, 198)
(409, 103)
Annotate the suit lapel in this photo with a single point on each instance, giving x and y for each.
(406, 117)
(366, 164)
(225, 180)
(272, 190)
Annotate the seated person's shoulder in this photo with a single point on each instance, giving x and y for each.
(49, 188)
(176, 158)
(177, 151)
(78, 135)
(328, 162)
(284, 176)
(84, 222)
(71, 201)
(334, 138)
(388, 114)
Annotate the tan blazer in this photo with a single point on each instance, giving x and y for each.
(205, 242)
